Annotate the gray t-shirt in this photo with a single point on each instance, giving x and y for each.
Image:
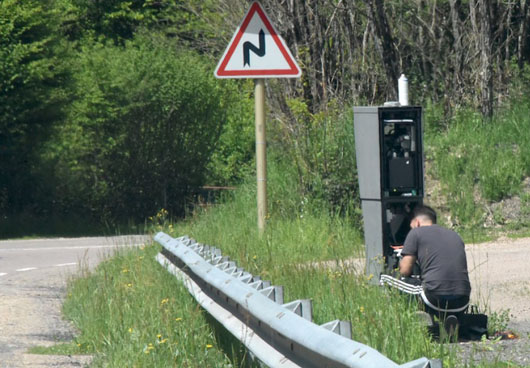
(442, 258)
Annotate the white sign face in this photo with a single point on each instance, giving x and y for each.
(257, 51)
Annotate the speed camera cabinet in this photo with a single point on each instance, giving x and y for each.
(389, 152)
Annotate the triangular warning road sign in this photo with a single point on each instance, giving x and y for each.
(257, 50)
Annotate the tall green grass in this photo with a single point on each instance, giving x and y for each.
(297, 231)
(132, 313)
(479, 161)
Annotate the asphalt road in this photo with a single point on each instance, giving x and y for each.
(33, 276)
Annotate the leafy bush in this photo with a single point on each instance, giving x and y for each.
(140, 132)
(194, 24)
(32, 83)
(233, 158)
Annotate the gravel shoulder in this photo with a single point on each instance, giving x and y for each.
(500, 278)
(30, 315)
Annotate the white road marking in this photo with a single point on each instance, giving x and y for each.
(26, 269)
(66, 264)
(73, 247)
(2, 274)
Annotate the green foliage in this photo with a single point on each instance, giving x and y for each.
(233, 157)
(129, 104)
(117, 19)
(140, 132)
(32, 78)
(304, 252)
(131, 311)
(478, 160)
(192, 23)
(498, 321)
(322, 146)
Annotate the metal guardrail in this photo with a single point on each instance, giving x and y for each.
(253, 310)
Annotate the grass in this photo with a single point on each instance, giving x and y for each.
(133, 313)
(480, 161)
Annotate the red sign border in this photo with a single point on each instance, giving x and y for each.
(221, 71)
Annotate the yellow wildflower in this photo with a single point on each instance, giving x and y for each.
(148, 348)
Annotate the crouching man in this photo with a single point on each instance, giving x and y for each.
(441, 256)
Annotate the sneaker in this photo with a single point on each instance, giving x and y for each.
(451, 326)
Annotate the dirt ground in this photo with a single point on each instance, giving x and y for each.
(500, 278)
(30, 315)
(500, 281)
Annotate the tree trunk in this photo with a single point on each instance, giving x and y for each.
(486, 59)
(480, 11)
(389, 54)
(522, 44)
(458, 55)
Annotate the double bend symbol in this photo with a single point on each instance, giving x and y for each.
(249, 46)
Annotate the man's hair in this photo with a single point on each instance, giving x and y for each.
(424, 211)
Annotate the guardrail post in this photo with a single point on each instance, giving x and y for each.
(303, 308)
(342, 328)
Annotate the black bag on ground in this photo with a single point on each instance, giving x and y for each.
(472, 326)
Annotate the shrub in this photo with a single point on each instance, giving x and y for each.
(140, 132)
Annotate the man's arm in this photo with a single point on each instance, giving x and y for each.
(406, 265)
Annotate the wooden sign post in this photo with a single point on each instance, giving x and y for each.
(261, 152)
